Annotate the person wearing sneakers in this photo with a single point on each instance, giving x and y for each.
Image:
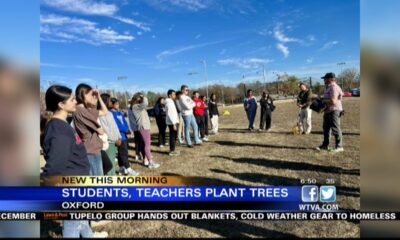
(172, 120)
(303, 102)
(139, 105)
(332, 113)
(65, 152)
(250, 106)
(111, 129)
(123, 161)
(136, 134)
(214, 114)
(198, 112)
(187, 105)
(181, 134)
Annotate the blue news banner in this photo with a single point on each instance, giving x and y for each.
(176, 202)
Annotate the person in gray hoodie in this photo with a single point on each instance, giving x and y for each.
(111, 129)
(139, 110)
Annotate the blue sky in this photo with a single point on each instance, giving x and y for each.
(156, 43)
(19, 24)
(380, 29)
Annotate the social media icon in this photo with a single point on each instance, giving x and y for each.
(327, 193)
(309, 193)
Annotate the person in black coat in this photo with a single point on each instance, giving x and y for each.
(266, 104)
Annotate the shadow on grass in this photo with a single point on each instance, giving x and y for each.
(234, 130)
(284, 181)
(343, 133)
(236, 144)
(280, 164)
(227, 228)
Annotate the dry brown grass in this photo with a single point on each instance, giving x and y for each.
(277, 157)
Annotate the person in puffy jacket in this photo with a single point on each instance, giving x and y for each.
(250, 106)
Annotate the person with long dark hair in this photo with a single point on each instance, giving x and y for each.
(266, 104)
(205, 101)
(250, 106)
(87, 125)
(198, 112)
(160, 114)
(139, 105)
(214, 113)
(64, 151)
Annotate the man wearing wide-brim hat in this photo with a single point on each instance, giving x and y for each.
(333, 99)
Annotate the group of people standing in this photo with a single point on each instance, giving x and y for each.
(180, 112)
(267, 107)
(98, 132)
(333, 110)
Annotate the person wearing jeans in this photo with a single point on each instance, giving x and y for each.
(332, 113)
(187, 105)
(87, 126)
(250, 106)
(64, 152)
(198, 112)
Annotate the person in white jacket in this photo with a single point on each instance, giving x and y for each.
(187, 105)
(172, 120)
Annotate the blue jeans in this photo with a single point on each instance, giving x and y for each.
(191, 121)
(96, 164)
(251, 116)
(76, 228)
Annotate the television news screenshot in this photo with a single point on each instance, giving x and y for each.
(199, 119)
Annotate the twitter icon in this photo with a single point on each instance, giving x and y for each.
(327, 193)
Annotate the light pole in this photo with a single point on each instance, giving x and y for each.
(192, 73)
(126, 99)
(205, 74)
(341, 64)
(277, 82)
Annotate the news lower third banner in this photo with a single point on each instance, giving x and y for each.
(162, 197)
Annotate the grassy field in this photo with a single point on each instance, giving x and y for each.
(277, 157)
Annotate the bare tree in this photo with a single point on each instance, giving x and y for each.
(350, 78)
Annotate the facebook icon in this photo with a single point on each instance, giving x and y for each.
(309, 193)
